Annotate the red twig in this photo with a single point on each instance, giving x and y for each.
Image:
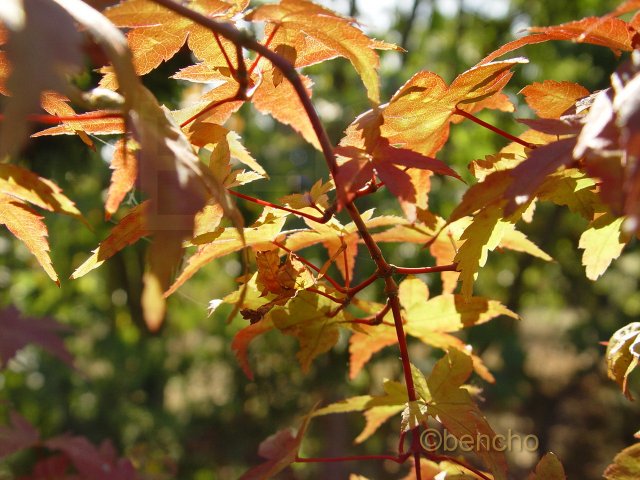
(440, 458)
(266, 44)
(225, 55)
(493, 128)
(265, 203)
(236, 98)
(326, 295)
(361, 286)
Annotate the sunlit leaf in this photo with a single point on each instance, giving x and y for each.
(602, 243)
(550, 99)
(27, 226)
(128, 230)
(626, 464)
(623, 354)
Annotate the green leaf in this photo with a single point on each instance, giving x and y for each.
(310, 318)
(602, 243)
(455, 409)
(626, 465)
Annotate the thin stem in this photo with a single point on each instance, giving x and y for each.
(347, 280)
(361, 286)
(493, 128)
(415, 271)
(375, 319)
(266, 44)
(326, 295)
(354, 458)
(237, 97)
(265, 203)
(335, 284)
(224, 54)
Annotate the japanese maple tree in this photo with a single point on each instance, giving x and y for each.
(581, 151)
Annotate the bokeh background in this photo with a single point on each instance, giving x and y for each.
(178, 404)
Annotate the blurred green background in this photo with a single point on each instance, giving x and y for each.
(178, 404)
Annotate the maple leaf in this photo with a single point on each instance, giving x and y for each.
(125, 171)
(261, 232)
(280, 450)
(176, 182)
(609, 32)
(25, 185)
(316, 34)
(97, 122)
(18, 331)
(531, 173)
(284, 278)
(551, 99)
(313, 320)
(455, 409)
(19, 435)
(27, 226)
(602, 243)
(390, 165)
(548, 468)
(129, 230)
(626, 464)
(58, 105)
(42, 47)
(419, 113)
(623, 354)
(99, 463)
(156, 34)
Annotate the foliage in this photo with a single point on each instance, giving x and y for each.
(580, 152)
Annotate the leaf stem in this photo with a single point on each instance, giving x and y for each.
(326, 295)
(493, 128)
(266, 44)
(417, 270)
(224, 54)
(236, 98)
(265, 203)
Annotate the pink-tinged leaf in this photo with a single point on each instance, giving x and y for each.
(280, 450)
(129, 230)
(27, 226)
(19, 434)
(125, 171)
(100, 463)
(551, 99)
(17, 331)
(608, 32)
(531, 173)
